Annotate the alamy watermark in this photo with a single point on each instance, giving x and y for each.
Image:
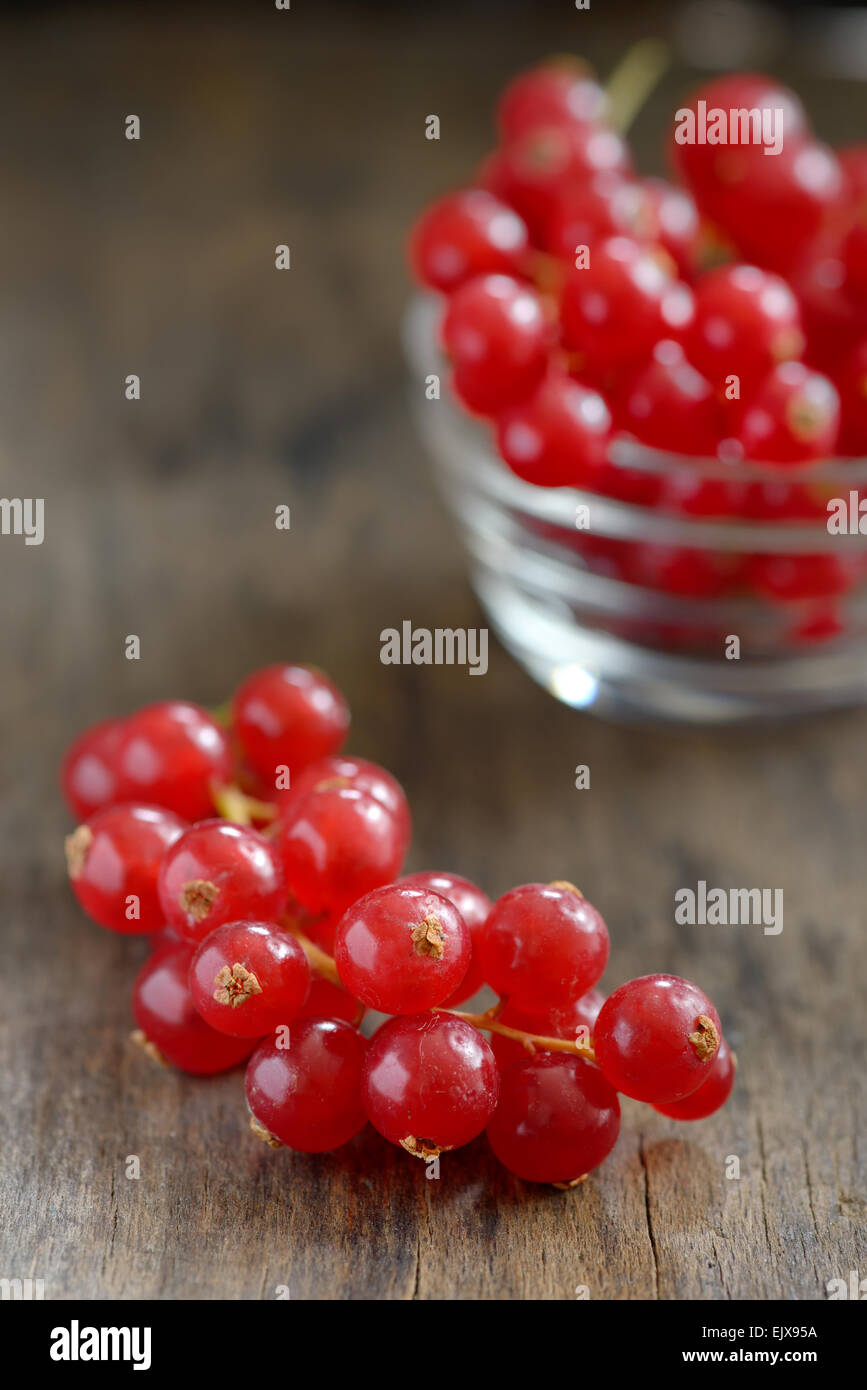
(440, 646)
(730, 907)
(23, 516)
(742, 125)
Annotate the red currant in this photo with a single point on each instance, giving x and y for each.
(678, 224)
(364, 776)
(793, 417)
(327, 1000)
(557, 1118)
(88, 773)
(543, 945)
(249, 978)
(114, 859)
(656, 1038)
(559, 437)
(337, 844)
(495, 333)
(711, 1095)
(173, 754)
(852, 384)
(683, 570)
(464, 235)
(669, 405)
(287, 716)
(169, 1023)
(218, 872)
(307, 1095)
(562, 92)
(790, 578)
(532, 171)
(473, 906)
(605, 205)
(401, 949)
(430, 1082)
(561, 1022)
(746, 321)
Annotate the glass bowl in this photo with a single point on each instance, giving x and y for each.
(649, 611)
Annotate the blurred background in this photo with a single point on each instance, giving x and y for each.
(156, 258)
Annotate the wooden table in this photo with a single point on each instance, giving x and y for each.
(261, 388)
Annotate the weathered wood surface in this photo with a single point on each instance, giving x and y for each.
(260, 388)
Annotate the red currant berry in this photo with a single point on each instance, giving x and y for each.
(833, 322)
(852, 384)
(561, 1022)
(605, 205)
(669, 405)
(557, 1118)
(287, 716)
(678, 224)
(563, 92)
(364, 776)
(173, 754)
(531, 172)
(543, 945)
(793, 417)
(218, 872)
(88, 773)
(688, 493)
(854, 254)
(707, 167)
(801, 189)
(495, 333)
(790, 578)
(327, 1000)
(401, 950)
(307, 1095)
(683, 570)
(656, 1038)
(170, 1025)
(430, 1082)
(746, 321)
(337, 844)
(249, 978)
(473, 906)
(113, 860)
(559, 437)
(464, 235)
(621, 304)
(711, 1095)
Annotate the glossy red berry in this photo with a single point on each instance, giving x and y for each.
(467, 234)
(793, 417)
(402, 949)
(564, 1021)
(307, 1095)
(249, 978)
(713, 170)
(219, 872)
(543, 945)
(557, 1118)
(669, 405)
(430, 1082)
(656, 1037)
(687, 571)
(614, 311)
(711, 1095)
(114, 859)
(473, 906)
(746, 321)
(327, 1000)
(342, 770)
(88, 773)
(533, 171)
(495, 333)
(557, 438)
(337, 844)
(554, 93)
(168, 1021)
(287, 716)
(852, 384)
(173, 754)
(606, 204)
(791, 578)
(678, 225)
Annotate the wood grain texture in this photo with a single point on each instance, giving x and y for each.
(258, 389)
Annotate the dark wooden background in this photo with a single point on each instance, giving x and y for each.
(261, 388)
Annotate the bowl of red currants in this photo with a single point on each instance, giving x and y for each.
(646, 400)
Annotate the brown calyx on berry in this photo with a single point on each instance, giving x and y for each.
(428, 938)
(566, 887)
(235, 985)
(567, 1186)
(198, 897)
(143, 1041)
(77, 846)
(705, 1039)
(264, 1134)
(423, 1148)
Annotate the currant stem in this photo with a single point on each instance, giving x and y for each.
(320, 961)
(489, 1023)
(633, 80)
(235, 805)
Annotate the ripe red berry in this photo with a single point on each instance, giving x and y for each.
(173, 754)
(473, 906)
(656, 1038)
(746, 321)
(557, 1118)
(401, 949)
(833, 321)
(852, 384)
(337, 844)
(219, 872)
(532, 172)
(604, 205)
(288, 716)
(707, 167)
(557, 438)
(495, 333)
(683, 570)
(801, 189)
(563, 1021)
(791, 578)
(543, 945)
(669, 405)
(562, 92)
(711, 1095)
(327, 1000)
(88, 773)
(345, 771)
(678, 224)
(430, 1082)
(169, 1023)
(249, 978)
(621, 304)
(307, 1095)
(114, 859)
(793, 417)
(467, 234)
